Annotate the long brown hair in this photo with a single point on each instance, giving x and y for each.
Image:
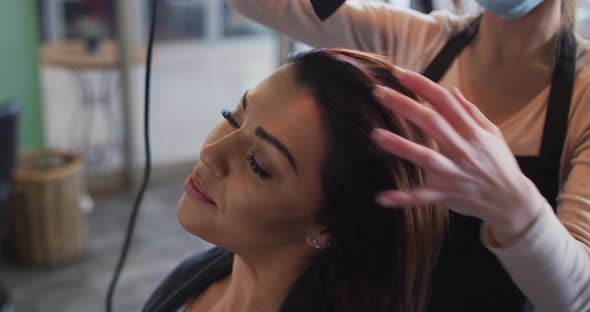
(381, 259)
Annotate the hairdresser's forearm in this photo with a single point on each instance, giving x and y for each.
(295, 18)
(366, 26)
(550, 266)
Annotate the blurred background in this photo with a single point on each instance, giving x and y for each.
(71, 140)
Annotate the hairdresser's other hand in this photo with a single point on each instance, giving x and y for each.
(473, 172)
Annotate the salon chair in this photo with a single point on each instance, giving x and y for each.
(9, 113)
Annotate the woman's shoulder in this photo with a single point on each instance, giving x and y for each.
(190, 277)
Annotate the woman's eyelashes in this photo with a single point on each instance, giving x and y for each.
(256, 168)
(230, 119)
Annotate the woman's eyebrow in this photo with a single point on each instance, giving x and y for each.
(261, 133)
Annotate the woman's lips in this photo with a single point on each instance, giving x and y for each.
(194, 189)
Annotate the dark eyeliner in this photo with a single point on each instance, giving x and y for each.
(259, 171)
(230, 119)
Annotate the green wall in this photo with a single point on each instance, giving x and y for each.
(19, 67)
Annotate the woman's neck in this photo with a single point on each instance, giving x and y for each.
(531, 37)
(260, 281)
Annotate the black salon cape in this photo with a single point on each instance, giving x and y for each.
(195, 274)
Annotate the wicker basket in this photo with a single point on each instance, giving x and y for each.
(46, 225)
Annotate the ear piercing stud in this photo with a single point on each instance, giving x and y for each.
(315, 243)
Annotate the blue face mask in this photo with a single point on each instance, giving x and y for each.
(509, 9)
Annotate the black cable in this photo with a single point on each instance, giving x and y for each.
(428, 6)
(148, 164)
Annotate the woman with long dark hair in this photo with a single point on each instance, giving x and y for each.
(286, 187)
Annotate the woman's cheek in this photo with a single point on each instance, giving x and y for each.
(253, 204)
(242, 194)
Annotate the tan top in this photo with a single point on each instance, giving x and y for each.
(551, 261)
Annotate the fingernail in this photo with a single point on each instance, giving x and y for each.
(398, 71)
(377, 134)
(385, 201)
(379, 92)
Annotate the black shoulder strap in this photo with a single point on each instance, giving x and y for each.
(562, 86)
(441, 63)
(324, 8)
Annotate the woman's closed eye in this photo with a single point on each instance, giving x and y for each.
(256, 168)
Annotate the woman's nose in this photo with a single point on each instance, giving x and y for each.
(215, 157)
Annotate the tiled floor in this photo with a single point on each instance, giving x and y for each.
(158, 245)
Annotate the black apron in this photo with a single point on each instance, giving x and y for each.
(468, 277)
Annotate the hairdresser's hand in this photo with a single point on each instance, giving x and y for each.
(473, 172)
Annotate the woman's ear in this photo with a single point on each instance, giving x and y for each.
(319, 239)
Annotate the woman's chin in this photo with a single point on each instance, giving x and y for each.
(191, 216)
(200, 223)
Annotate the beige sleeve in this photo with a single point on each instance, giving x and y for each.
(551, 261)
(409, 38)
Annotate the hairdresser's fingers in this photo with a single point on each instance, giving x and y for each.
(424, 117)
(403, 199)
(441, 99)
(416, 153)
(475, 113)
